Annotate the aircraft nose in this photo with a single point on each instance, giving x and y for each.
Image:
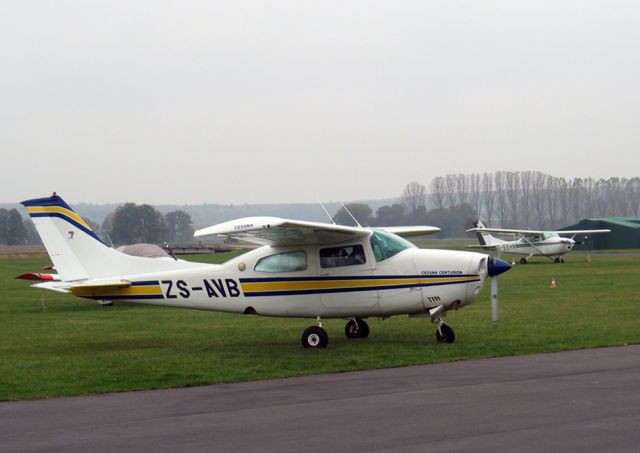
(496, 266)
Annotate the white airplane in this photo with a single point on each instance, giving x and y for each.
(529, 242)
(302, 270)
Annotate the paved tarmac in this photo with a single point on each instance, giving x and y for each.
(585, 400)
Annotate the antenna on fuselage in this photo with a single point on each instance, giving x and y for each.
(349, 212)
(327, 212)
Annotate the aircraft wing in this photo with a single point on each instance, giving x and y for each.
(507, 231)
(276, 231)
(535, 232)
(407, 231)
(574, 232)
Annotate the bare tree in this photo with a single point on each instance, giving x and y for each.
(450, 186)
(501, 198)
(413, 196)
(488, 197)
(552, 200)
(512, 191)
(633, 186)
(462, 189)
(589, 189)
(563, 200)
(576, 198)
(613, 196)
(600, 194)
(475, 193)
(539, 198)
(438, 192)
(526, 181)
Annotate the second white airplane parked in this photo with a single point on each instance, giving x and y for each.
(302, 270)
(529, 242)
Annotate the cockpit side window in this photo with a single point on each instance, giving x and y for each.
(283, 262)
(349, 255)
(385, 245)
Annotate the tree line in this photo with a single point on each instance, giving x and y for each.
(526, 199)
(132, 223)
(13, 229)
(531, 199)
(128, 224)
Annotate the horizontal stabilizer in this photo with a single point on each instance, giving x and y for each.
(39, 276)
(59, 287)
(95, 288)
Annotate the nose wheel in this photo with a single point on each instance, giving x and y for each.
(445, 334)
(356, 328)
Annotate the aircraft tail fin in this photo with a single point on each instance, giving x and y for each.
(76, 250)
(484, 237)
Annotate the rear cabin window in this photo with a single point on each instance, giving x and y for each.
(283, 262)
(349, 255)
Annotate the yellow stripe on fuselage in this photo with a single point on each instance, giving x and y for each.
(348, 284)
(106, 291)
(57, 210)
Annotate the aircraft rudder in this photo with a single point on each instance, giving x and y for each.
(55, 206)
(483, 237)
(74, 248)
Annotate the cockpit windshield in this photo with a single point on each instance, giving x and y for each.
(385, 245)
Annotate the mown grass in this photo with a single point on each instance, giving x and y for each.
(53, 344)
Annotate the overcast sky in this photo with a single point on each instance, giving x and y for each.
(294, 101)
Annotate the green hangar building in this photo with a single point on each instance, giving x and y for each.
(625, 233)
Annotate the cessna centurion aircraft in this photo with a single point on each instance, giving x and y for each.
(302, 270)
(529, 242)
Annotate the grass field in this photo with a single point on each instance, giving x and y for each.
(52, 344)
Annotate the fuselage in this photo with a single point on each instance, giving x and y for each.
(338, 281)
(552, 245)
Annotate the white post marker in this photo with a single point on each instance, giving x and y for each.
(494, 301)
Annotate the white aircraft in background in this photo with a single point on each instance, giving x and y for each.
(529, 242)
(302, 270)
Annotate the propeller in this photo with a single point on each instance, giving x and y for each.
(495, 267)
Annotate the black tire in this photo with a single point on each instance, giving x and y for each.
(445, 334)
(364, 327)
(352, 329)
(557, 260)
(356, 328)
(523, 261)
(315, 338)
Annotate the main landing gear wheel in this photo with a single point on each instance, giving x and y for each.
(523, 261)
(356, 328)
(315, 338)
(445, 334)
(558, 260)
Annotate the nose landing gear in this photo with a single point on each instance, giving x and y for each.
(445, 334)
(356, 328)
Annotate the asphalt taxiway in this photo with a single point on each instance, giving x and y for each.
(586, 400)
